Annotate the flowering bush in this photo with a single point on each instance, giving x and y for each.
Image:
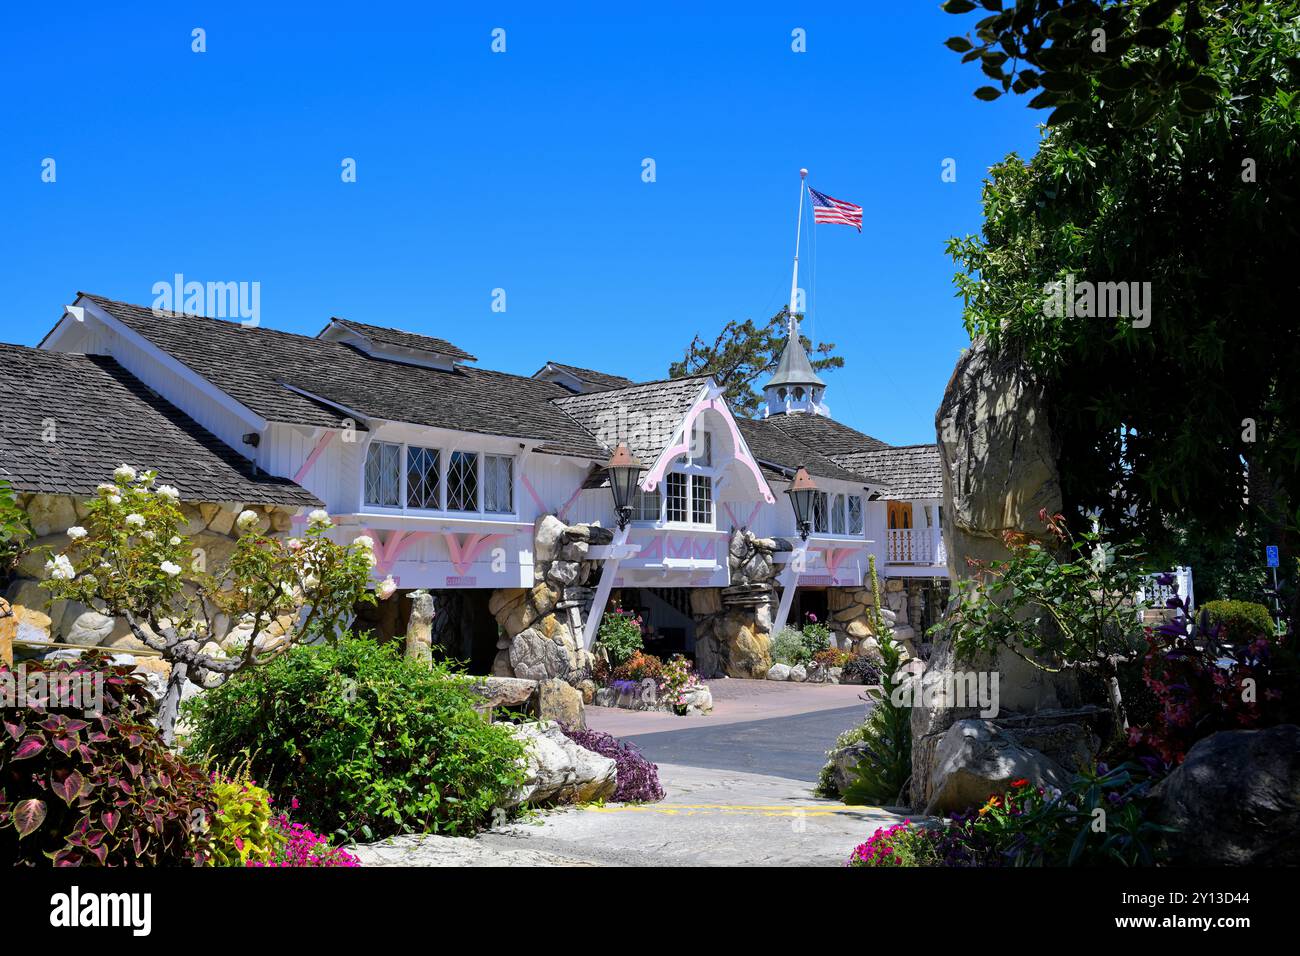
(241, 827)
(639, 667)
(621, 635)
(638, 778)
(903, 844)
(816, 637)
(677, 679)
(833, 657)
(299, 845)
(131, 560)
(81, 788)
(788, 647)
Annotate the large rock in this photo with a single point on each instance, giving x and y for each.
(534, 656)
(560, 771)
(505, 692)
(559, 701)
(778, 672)
(85, 627)
(975, 759)
(1235, 801)
(50, 514)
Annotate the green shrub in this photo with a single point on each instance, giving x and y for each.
(15, 530)
(788, 647)
(94, 789)
(242, 828)
(1241, 621)
(620, 635)
(816, 637)
(369, 743)
(885, 771)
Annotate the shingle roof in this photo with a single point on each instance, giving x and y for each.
(596, 380)
(910, 471)
(101, 416)
(645, 415)
(825, 434)
(406, 340)
(253, 366)
(772, 446)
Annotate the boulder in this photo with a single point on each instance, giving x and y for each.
(558, 770)
(706, 601)
(547, 535)
(975, 758)
(533, 656)
(798, 673)
(85, 627)
(559, 701)
(50, 514)
(843, 763)
(1235, 801)
(778, 672)
(505, 692)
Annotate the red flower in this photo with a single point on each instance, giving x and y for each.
(1022, 782)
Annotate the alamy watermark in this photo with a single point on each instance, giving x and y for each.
(216, 300)
(1099, 300)
(79, 690)
(954, 689)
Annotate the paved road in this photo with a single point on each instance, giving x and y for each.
(793, 747)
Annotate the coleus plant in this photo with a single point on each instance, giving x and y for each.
(95, 787)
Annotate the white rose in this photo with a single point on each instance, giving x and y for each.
(173, 541)
(387, 588)
(76, 532)
(148, 535)
(247, 520)
(135, 521)
(60, 567)
(114, 499)
(364, 541)
(124, 473)
(310, 581)
(319, 518)
(170, 492)
(106, 489)
(170, 569)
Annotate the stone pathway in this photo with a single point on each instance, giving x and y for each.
(717, 813)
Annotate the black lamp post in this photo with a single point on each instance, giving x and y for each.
(801, 493)
(624, 470)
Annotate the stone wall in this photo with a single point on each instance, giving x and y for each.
(851, 619)
(733, 625)
(210, 527)
(541, 627)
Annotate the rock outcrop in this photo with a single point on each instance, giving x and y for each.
(558, 770)
(975, 758)
(1235, 801)
(733, 625)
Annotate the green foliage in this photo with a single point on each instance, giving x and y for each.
(15, 530)
(816, 637)
(1191, 133)
(743, 354)
(885, 771)
(1241, 621)
(826, 786)
(621, 635)
(370, 743)
(1069, 601)
(788, 647)
(242, 827)
(95, 789)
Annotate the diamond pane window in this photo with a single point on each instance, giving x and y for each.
(837, 514)
(701, 499)
(422, 478)
(820, 509)
(462, 481)
(676, 484)
(498, 483)
(383, 474)
(855, 514)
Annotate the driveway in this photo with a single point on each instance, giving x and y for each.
(739, 793)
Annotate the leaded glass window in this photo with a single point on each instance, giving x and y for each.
(423, 478)
(855, 514)
(820, 509)
(676, 484)
(645, 505)
(383, 474)
(701, 499)
(837, 514)
(498, 483)
(462, 481)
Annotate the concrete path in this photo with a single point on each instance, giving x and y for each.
(718, 812)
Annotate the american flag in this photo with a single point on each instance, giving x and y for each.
(826, 209)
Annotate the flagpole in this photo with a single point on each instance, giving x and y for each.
(794, 280)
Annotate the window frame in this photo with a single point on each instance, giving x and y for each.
(444, 453)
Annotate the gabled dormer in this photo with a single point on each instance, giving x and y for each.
(794, 388)
(395, 345)
(578, 380)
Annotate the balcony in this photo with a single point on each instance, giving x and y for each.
(915, 546)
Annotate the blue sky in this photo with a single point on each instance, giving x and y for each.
(519, 171)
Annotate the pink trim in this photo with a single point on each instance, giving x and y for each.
(464, 553)
(656, 475)
(532, 493)
(564, 509)
(735, 523)
(321, 444)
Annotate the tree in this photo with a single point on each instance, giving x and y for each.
(129, 561)
(1173, 177)
(745, 352)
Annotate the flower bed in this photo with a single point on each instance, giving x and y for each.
(644, 682)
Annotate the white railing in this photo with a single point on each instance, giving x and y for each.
(915, 546)
(1156, 594)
